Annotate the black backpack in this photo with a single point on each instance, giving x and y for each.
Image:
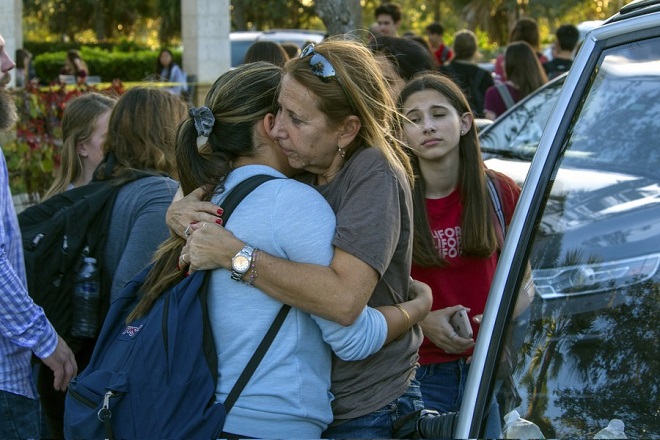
(155, 377)
(58, 234)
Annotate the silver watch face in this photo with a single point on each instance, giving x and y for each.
(241, 264)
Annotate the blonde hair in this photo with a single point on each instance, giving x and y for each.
(359, 89)
(78, 122)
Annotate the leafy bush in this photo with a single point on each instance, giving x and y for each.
(40, 47)
(109, 65)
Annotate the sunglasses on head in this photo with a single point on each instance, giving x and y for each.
(320, 65)
(322, 68)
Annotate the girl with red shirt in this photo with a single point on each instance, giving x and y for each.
(456, 233)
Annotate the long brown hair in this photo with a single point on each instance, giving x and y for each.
(239, 99)
(141, 133)
(523, 68)
(479, 237)
(526, 29)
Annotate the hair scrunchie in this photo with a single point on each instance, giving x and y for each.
(204, 120)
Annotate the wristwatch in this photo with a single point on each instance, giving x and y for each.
(241, 262)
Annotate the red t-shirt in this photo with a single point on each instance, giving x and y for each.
(443, 54)
(466, 280)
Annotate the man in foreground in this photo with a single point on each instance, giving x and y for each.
(24, 329)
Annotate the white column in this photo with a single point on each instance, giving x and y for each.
(11, 28)
(205, 28)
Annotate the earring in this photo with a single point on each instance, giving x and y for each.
(342, 153)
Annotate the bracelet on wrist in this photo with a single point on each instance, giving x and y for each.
(405, 315)
(253, 268)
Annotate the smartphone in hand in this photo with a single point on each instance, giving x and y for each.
(461, 324)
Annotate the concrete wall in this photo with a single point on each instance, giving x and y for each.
(205, 27)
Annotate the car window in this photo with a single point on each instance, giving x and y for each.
(591, 348)
(517, 133)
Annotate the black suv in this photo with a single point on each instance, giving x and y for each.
(587, 350)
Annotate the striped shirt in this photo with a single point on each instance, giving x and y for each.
(24, 328)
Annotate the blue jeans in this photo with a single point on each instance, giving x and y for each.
(19, 417)
(378, 424)
(442, 387)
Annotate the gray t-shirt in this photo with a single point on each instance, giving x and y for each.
(373, 205)
(137, 227)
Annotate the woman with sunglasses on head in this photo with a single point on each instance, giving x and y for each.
(289, 394)
(335, 122)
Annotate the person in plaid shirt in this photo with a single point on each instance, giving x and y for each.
(24, 329)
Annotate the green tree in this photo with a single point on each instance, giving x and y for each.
(271, 14)
(170, 25)
(111, 20)
(108, 19)
(340, 16)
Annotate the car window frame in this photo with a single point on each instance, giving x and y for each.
(520, 107)
(519, 240)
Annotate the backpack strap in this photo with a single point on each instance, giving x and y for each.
(505, 94)
(239, 192)
(256, 358)
(497, 204)
(444, 55)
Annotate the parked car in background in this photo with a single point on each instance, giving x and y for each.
(508, 143)
(242, 40)
(584, 27)
(588, 223)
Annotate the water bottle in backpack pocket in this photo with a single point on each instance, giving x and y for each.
(86, 301)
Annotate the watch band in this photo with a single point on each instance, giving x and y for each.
(241, 262)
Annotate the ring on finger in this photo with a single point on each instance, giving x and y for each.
(188, 231)
(183, 257)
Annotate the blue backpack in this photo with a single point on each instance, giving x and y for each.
(156, 377)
